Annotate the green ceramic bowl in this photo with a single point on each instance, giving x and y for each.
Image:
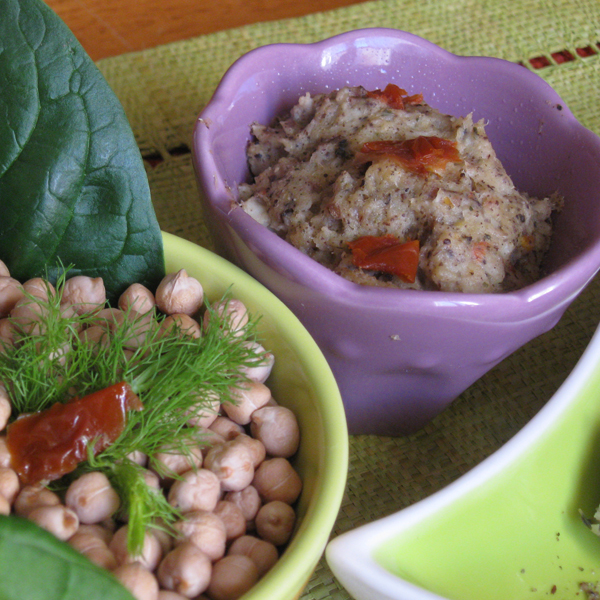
(510, 529)
(300, 380)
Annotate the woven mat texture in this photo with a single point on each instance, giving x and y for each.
(164, 89)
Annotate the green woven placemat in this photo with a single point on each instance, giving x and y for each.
(164, 89)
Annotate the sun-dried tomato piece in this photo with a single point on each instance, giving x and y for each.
(395, 97)
(387, 254)
(48, 444)
(422, 155)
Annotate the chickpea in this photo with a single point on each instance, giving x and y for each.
(276, 479)
(226, 428)
(138, 457)
(182, 323)
(9, 483)
(248, 397)
(262, 369)
(275, 522)
(60, 352)
(7, 333)
(130, 359)
(94, 549)
(164, 537)
(232, 312)
(100, 531)
(4, 453)
(232, 464)
(151, 478)
(5, 406)
(233, 518)
(205, 413)
(179, 293)
(85, 294)
(68, 312)
(196, 490)
(27, 316)
(4, 506)
(149, 556)
(169, 595)
(186, 570)
(59, 520)
(137, 297)
(108, 318)
(232, 577)
(264, 554)
(277, 428)
(204, 529)
(255, 448)
(4, 272)
(40, 288)
(168, 462)
(92, 498)
(96, 337)
(140, 326)
(209, 439)
(11, 291)
(140, 582)
(34, 496)
(248, 500)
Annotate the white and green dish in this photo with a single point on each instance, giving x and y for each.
(510, 529)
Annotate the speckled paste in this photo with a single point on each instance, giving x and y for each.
(315, 188)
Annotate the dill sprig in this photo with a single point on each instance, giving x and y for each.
(144, 506)
(171, 373)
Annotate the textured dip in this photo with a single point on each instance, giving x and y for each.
(352, 163)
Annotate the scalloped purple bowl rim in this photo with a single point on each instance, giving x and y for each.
(553, 289)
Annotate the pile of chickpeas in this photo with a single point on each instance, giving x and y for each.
(236, 493)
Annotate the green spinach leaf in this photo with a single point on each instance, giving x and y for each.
(34, 565)
(73, 189)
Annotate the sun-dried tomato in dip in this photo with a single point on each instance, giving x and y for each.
(355, 163)
(387, 254)
(46, 445)
(395, 97)
(423, 154)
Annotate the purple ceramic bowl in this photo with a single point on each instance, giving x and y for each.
(401, 356)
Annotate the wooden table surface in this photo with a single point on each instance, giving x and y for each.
(110, 27)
